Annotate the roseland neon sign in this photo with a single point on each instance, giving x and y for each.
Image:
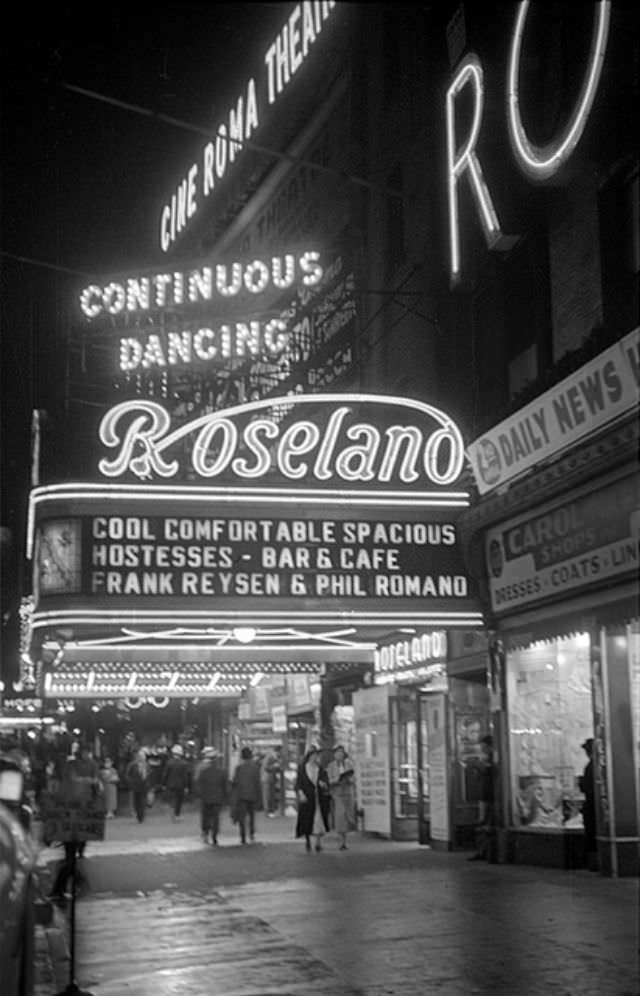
(538, 163)
(254, 442)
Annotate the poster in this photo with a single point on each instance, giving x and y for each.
(371, 720)
(436, 706)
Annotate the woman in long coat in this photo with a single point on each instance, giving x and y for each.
(314, 799)
(343, 795)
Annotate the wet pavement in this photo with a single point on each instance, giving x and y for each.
(166, 915)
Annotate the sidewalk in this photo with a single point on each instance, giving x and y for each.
(171, 915)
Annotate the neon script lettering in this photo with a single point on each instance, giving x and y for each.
(241, 442)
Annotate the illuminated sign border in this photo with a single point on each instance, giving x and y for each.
(89, 617)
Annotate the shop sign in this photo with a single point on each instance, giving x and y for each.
(565, 547)
(279, 719)
(372, 757)
(430, 677)
(601, 391)
(423, 648)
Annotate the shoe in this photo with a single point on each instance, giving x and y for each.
(252, 838)
(214, 842)
(318, 847)
(205, 838)
(343, 847)
(307, 846)
(476, 857)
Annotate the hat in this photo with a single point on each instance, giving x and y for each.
(587, 744)
(177, 750)
(245, 753)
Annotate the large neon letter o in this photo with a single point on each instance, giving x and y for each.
(542, 162)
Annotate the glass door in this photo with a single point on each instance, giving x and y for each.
(423, 772)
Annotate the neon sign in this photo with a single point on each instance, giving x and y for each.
(282, 60)
(424, 649)
(225, 342)
(249, 446)
(537, 163)
(133, 295)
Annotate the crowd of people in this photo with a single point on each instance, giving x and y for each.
(67, 771)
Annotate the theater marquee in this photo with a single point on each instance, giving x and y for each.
(315, 510)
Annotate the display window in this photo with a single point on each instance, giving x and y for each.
(550, 716)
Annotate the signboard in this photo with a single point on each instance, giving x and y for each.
(565, 547)
(270, 563)
(70, 821)
(372, 757)
(314, 508)
(436, 713)
(279, 719)
(419, 659)
(602, 390)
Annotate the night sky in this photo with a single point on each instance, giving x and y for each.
(83, 180)
(82, 183)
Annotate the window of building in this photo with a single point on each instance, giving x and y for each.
(550, 716)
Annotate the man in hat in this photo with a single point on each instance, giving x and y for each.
(176, 777)
(485, 800)
(246, 789)
(587, 786)
(211, 785)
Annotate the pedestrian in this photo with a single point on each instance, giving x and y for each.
(268, 783)
(486, 822)
(79, 785)
(137, 775)
(246, 793)
(314, 799)
(586, 785)
(212, 787)
(109, 778)
(176, 779)
(343, 794)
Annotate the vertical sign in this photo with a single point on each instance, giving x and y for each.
(438, 767)
(373, 776)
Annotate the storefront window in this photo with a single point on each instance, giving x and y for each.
(549, 709)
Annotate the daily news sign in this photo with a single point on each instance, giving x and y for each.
(320, 508)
